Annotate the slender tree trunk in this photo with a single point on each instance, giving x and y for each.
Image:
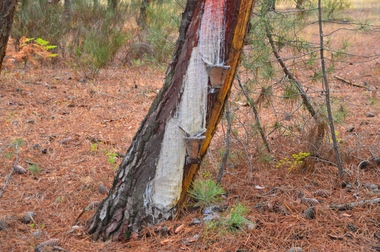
(257, 118)
(7, 12)
(328, 104)
(228, 144)
(152, 180)
(141, 21)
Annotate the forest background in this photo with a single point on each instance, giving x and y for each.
(78, 79)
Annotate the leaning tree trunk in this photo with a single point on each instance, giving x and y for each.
(151, 182)
(7, 12)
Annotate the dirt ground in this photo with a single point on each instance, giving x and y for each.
(76, 131)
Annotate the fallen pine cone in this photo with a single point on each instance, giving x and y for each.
(48, 243)
(310, 213)
(28, 217)
(103, 189)
(309, 201)
(19, 169)
(3, 226)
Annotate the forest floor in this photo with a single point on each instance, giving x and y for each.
(74, 132)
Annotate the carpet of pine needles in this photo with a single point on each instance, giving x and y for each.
(68, 125)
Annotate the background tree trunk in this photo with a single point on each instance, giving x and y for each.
(7, 12)
(67, 6)
(112, 5)
(152, 180)
(141, 21)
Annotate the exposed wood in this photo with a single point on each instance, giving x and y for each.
(7, 12)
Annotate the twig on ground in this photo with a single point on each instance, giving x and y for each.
(39, 83)
(77, 162)
(274, 189)
(233, 175)
(200, 235)
(108, 95)
(348, 206)
(349, 82)
(29, 162)
(13, 169)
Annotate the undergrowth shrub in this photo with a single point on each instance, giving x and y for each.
(232, 222)
(92, 34)
(162, 27)
(155, 42)
(36, 18)
(206, 192)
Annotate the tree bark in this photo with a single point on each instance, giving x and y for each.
(7, 12)
(152, 180)
(141, 21)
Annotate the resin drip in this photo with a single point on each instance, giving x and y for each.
(211, 41)
(164, 190)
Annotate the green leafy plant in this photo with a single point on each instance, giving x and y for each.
(60, 199)
(265, 157)
(298, 159)
(18, 141)
(111, 158)
(94, 147)
(234, 221)
(98, 46)
(206, 192)
(341, 114)
(35, 169)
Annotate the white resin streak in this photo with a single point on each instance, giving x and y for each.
(165, 188)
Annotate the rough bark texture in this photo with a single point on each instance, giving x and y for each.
(129, 204)
(7, 12)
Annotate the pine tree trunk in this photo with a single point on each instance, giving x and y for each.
(151, 182)
(7, 12)
(141, 21)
